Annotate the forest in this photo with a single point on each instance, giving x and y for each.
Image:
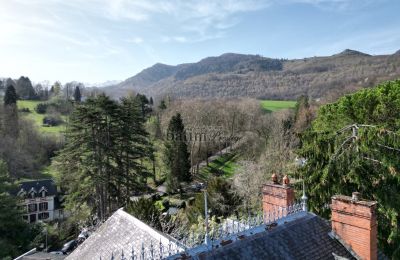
(113, 153)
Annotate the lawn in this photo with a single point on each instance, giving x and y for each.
(274, 105)
(38, 118)
(222, 166)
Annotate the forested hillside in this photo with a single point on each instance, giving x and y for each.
(237, 75)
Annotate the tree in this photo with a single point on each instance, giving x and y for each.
(77, 94)
(162, 105)
(354, 145)
(176, 153)
(151, 102)
(25, 89)
(10, 120)
(15, 233)
(145, 210)
(103, 171)
(10, 97)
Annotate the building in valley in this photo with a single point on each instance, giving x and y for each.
(40, 201)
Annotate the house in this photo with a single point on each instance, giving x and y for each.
(39, 200)
(285, 230)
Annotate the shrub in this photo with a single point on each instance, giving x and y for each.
(41, 108)
(53, 120)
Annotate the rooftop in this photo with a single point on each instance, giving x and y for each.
(124, 234)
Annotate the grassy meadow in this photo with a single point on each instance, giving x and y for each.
(274, 105)
(38, 118)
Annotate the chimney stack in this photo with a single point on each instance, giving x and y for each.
(276, 195)
(354, 224)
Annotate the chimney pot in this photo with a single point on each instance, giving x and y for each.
(355, 196)
(286, 180)
(274, 178)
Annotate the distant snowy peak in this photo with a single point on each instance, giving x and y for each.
(107, 83)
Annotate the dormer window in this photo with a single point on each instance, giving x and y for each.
(22, 193)
(32, 193)
(43, 192)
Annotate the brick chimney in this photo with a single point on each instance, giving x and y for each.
(277, 195)
(354, 224)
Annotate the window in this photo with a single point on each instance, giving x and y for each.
(43, 215)
(32, 207)
(43, 206)
(32, 218)
(43, 193)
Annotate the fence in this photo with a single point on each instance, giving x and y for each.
(230, 230)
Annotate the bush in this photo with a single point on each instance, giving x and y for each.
(25, 110)
(41, 108)
(53, 120)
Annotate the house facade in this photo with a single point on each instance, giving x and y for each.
(40, 201)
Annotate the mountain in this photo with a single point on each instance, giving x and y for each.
(348, 52)
(102, 84)
(239, 75)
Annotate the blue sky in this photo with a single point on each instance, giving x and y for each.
(99, 40)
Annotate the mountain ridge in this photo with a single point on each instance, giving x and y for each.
(246, 75)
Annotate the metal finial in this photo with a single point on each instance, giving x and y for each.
(133, 252)
(142, 253)
(304, 198)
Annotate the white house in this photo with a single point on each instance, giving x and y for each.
(40, 201)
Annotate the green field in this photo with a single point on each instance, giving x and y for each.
(38, 118)
(274, 105)
(222, 166)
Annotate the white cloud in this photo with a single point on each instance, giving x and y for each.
(136, 40)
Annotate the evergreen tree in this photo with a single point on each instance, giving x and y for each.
(15, 233)
(77, 94)
(10, 97)
(162, 105)
(176, 153)
(151, 102)
(10, 121)
(24, 88)
(354, 145)
(101, 164)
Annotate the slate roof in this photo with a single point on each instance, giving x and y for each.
(120, 233)
(49, 185)
(304, 238)
(42, 256)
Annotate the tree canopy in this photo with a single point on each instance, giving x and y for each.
(10, 97)
(176, 153)
(101, 164)
(354, 145)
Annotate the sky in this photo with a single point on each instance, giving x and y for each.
(100, 40)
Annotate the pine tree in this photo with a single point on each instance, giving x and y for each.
(151, 102)
(354, 145)
(176, 153)
(101, 164)
(10, 97)
(10, 121)
(77, 94)
(15, 233)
